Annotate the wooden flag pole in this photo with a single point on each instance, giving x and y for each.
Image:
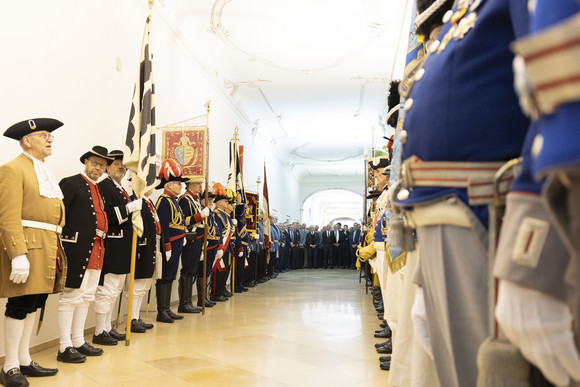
(133, 258)
(206, 222)
(365, 210)
(235, 139)
(258, 232)
(130, 294)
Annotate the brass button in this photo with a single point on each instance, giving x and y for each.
(403, 136)
(419, 74)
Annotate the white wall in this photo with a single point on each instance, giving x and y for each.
(77, 61)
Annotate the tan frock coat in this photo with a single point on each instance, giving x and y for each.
(20, 200)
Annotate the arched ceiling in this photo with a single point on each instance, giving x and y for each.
(310, 76)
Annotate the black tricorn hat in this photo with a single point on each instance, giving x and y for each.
(393, 100)
(436, 17)
(374, 194)
(164, 181)
(24, 128)
(116, 154)
(99, 151)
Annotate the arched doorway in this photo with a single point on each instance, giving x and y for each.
(332, 205)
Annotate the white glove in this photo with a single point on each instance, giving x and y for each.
(204, 213)
(419, 318)
(219, 254)
(254, 236)
(241, 254)
(135, 205)
(235, 222)
(167, 255)
(20, 269)
(541, 327)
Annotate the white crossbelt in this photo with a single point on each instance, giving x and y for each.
(41, 225)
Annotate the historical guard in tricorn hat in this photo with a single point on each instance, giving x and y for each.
(32, 261)
(84, 243)
(118, 205)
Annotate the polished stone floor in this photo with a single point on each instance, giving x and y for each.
(304, 328)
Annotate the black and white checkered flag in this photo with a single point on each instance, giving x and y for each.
(140, 145)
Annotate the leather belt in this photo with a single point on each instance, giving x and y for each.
(101, 234)
(476, 177)
(41, 225)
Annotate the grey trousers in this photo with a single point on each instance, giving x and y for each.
(453, 272)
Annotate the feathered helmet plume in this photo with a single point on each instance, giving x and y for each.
(170, 171)
(220, 192)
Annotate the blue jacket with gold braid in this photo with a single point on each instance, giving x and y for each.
(172, 223)
(462, 106)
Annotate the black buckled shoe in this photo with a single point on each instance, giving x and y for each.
(383, 334)
(382, 343)
(219, 298)
(145, 325)
(89, 350)
(383, 359)
(71, 355)
(385, 366)
(136, 327)
(104, 339)
(13, 378)
(385, 349)
(226, 293)
(116, 335)
(208, 304)
(174, 315)
(163, 317)
(188, 308)
(35, 369)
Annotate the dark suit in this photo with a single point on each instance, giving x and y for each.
(327, 246)
(312, 238)
(354, 240)
(344, 258)
(294, 250)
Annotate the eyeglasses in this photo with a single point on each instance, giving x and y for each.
(46, 136)
(97, 164)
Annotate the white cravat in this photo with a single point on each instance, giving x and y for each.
(336, 236)
(47, 185)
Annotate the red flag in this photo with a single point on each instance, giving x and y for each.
(266, 208)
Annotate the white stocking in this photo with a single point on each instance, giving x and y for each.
(101, 323)
(65, 321)
(24, 347)
(13, 330)
(78, 325)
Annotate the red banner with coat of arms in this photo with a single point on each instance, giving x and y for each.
(186, 146)
(252, 212)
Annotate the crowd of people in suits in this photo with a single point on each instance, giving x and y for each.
(333, 246)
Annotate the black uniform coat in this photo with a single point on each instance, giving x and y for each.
(145, 260)
(79, 231)
(120, 234)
